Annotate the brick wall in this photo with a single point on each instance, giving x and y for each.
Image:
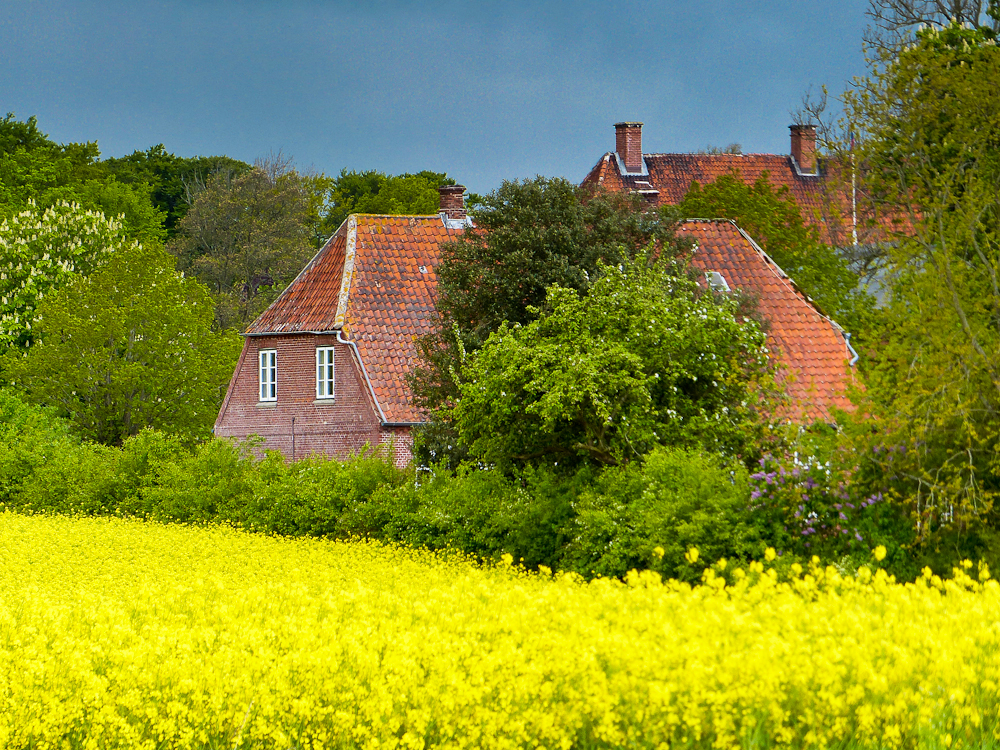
(336, 427)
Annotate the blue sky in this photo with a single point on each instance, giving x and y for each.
(481, 90)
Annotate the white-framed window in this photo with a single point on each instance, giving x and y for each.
(324, 372)
(268, 375)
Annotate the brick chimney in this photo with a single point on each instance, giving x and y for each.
(628, 144)
(804, 147)
(452, 201)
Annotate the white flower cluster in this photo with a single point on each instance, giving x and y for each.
(42, 251)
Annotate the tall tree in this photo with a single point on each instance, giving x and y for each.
(246, 237)
(127, 347)
(529, 236)
(928, 121)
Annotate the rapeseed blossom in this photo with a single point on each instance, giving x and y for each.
(117, 633)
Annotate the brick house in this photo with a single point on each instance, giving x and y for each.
(823, 191)
(814, 351)
(323, 369)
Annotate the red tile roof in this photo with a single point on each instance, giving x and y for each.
(822, 202)
(309, 303)
(374, 280)
(810, 347)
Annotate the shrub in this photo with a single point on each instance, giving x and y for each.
(316, 496)
(650, 516)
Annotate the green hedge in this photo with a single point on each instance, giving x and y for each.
(647, 514)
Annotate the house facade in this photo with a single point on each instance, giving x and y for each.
(324, 369)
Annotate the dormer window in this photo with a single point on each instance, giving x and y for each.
(716, 281)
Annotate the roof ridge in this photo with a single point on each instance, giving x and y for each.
(347, 275)
(714, 156)
(397, 216)
(791, 282)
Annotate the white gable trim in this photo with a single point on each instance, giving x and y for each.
(345, 282)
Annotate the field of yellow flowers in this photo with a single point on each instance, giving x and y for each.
(121, 633)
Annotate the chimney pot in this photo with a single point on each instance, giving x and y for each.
(804, 147)
(628, 144)
(452, 201)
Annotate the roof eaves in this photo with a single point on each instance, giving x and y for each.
(258, 334)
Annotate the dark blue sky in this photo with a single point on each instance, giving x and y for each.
(481, 90)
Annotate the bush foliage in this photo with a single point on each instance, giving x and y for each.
(647, 514)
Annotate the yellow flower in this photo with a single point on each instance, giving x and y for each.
(770, 554)
(692, 555)
(211, 637)
(658, 553)
(879, 553)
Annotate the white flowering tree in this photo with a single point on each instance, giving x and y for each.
(41, 252)
(126, 347)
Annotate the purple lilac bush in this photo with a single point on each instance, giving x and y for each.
(811, 508)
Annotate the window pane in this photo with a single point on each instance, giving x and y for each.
(268, 375)
(324, 372)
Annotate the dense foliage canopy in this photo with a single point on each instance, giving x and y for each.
(645, 358)
(928, 120)
(128, 346)
(41, 251)
(373, 192)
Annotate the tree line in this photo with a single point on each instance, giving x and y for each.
(573, 346)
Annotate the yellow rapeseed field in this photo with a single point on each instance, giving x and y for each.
(127, 634)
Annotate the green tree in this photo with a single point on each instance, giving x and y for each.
(373, 192)
(774, 220)
(245, 238)
(127, 347)
(529, 235)
(173, 181)
(928, 121)
(36, 170)
(894, 22)
(43, 251)
(645, 358)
